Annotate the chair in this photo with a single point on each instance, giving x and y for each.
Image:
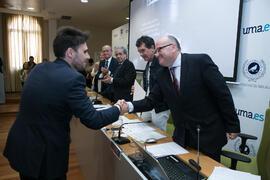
(262, 160)
(170, 127)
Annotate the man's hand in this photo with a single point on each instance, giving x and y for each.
(124, 108)
(104, 70)
(96, 67)
(231, 136)
(107, 79)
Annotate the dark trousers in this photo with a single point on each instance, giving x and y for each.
(214, 155)
(22, 177)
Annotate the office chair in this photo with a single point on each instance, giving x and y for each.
(262, 160)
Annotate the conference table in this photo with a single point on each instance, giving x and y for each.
(101, 158)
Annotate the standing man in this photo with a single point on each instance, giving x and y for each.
(196, 94)
(31, 63)
(38, 142)
(146, 47)
(106, 67)
(123, 78)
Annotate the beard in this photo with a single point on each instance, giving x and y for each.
(78, 66)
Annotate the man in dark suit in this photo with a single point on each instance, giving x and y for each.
(160, 114)
(123, 78)
(106, 67)
(196, 94)
(38, 142)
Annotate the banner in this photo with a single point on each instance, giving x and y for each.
(252, 94)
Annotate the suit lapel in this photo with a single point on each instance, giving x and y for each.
(184, 70)
(168, 84)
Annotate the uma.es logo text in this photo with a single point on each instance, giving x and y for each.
(250, 115)
(256, 29)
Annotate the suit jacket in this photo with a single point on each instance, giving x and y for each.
(38, 142)
(112, 68)
(123, 80)
(154, 69)
(204, 100)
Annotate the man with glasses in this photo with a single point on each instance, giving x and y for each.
(160, 114)
(197, 96)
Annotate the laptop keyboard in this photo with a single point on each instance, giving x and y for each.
(176, 169)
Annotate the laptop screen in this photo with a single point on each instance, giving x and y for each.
(158, 171)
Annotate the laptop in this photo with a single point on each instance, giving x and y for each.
(154, 169)
(164, 168)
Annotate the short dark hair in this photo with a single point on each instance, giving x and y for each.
(148, 41)
(68, 37)
(31, 57)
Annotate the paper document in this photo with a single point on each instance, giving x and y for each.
(166, 149)
(123, 119)
(139, 92)
(221, 173)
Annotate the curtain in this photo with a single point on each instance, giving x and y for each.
(23, 39)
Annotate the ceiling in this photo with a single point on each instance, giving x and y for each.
(98, 13)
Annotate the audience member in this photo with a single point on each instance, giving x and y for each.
(123, 78)
(95, 71)
(88, 69)
(24, 73)
(160, 114)
(31, 63)
(108, 66)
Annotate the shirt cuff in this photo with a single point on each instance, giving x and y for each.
(118, 107)
(130, 106)
(111, 81)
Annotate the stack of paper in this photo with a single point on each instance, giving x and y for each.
(137, 129)
(221, 173)
(165, 149)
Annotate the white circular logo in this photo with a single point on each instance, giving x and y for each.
(254, 69)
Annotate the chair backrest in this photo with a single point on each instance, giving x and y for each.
(263, 156)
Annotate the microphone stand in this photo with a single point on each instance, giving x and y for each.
(191, 161)
(122, 140)
(198, 152)
(96, 101)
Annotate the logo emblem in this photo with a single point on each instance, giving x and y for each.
(254, 69)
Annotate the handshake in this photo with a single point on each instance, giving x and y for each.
(123, 105)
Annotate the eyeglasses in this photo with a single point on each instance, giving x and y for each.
(159, 48)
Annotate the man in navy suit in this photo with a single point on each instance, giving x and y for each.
(106, 67)
(38, 142)
(196, 94)
(123, 78)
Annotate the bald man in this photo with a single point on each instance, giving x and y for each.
(196, 94)
(106, 67)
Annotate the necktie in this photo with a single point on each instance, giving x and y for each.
(175, 80)
(106, 63)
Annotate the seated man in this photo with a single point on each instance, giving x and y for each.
(123, 78)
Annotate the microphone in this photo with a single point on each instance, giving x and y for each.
(96, 101)
(122, 140)
(191, 161)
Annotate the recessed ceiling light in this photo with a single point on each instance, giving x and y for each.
(84, 1)
(30, 8)
(127, 18)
